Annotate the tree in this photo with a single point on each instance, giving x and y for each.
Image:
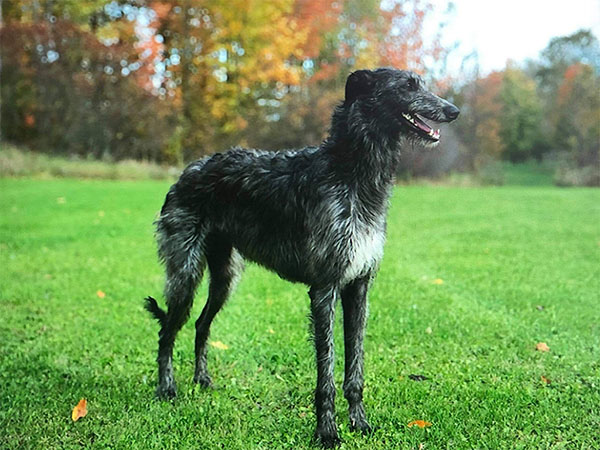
(520, 124)
(63, 91)
(219, 59)
(562, 52)
(480, 123)
(206, 73)
(577, 114)
(568, 78)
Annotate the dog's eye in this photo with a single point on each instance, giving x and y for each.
(412, 84)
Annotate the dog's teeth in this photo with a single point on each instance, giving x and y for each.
(408, 117)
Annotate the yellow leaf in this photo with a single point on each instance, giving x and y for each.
(219, 345)
(438, 281)
(542, 347)
(100, 294)
(419, 423)
(80, 410)
(545, 380)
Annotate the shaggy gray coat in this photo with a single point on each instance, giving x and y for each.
(315, 216)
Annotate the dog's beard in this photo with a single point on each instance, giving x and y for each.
(407, 137)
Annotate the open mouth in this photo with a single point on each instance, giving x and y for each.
(416, 123)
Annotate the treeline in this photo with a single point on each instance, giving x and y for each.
(546, 110)
(172, 80)
(169, 81)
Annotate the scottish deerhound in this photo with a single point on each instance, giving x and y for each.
(315, 216)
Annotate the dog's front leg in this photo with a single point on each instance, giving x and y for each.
(354, 303)
(322, 306)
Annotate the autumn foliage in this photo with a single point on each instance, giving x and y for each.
(548, 109)
(172, 80)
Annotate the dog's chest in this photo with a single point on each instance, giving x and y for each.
(364, 248)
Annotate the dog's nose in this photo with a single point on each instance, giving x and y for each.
(451, 111)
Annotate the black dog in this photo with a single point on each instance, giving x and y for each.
(315, 216)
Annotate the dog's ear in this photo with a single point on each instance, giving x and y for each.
(359, 83)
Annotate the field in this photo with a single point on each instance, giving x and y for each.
(472, 280)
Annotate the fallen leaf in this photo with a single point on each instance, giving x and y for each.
(542, 347)
(80, 410)
(545, 380)
(419, 423)
(428, 330)
(100, 294)
(539, 307)
(271, 331)
(438, 281)
(219, 345)
(418, 377)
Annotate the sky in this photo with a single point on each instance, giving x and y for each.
(501, 30)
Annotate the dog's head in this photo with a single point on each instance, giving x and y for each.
(398, 101)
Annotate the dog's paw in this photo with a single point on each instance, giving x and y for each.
(358, 419)
(330, 441)
(203, 380)
(361, 425)
(328, 438)
(166, 392)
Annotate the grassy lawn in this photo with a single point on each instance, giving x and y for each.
(472, 280)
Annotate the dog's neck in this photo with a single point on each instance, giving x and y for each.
(362, 155)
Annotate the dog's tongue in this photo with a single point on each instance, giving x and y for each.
(422, 125)
(426, 128)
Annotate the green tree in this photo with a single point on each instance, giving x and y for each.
(520, 124)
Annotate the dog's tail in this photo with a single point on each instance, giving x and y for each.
(157, 312)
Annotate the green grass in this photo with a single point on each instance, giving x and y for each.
(501, 253)
(530, 173)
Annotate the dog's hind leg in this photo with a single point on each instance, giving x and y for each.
(322, 308)
(225, 265)
(181, 246)
(354, 303)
